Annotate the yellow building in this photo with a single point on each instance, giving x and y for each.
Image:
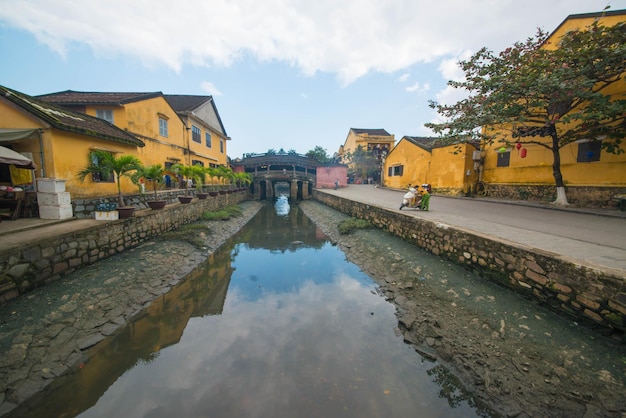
(181, 129)
(58, 141)
(449, 169)
(68, 125)
(377, 141)
(523, 169)
(207, 136)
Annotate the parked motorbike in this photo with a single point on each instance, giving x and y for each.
(411, 199)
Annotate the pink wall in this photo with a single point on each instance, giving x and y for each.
(326, 176)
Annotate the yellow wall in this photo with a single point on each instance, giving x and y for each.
(64, 144)
(65, 153)
(450, 168)
(536, 168)
(415, 162)
(14, 119)
(444, 168)
(142, 118)
(199, 151)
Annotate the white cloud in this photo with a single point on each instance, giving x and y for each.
(404, 77)
(349, 39)
(210, 88)
(417, 88)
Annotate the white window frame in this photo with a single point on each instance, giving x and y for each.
(106, 114)
(163, 128)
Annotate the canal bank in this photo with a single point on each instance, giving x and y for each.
(515, 357)
(32, 257)
(503, 362)
(50, 330)
(583, 280)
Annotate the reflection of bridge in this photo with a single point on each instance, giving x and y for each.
(273, 171)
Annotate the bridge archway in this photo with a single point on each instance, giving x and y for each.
(270, 170)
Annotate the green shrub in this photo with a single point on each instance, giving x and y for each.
(220, 215)
(224, 214)
(350, 225)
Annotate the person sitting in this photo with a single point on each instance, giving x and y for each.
(425, 199)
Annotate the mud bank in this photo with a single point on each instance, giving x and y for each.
(518, 359)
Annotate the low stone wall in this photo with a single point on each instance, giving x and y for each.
(592, 296)
(32, 265)
(85, 208)
(582, 196)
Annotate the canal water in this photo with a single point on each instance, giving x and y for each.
(275, 324)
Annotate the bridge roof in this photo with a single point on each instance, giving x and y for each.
(258, 160)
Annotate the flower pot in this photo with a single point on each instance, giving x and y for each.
(156, 204)
(125, 212)
(213, 194)
(223, 191)
(202, 196)
(185, 199)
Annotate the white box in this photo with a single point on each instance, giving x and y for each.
(54, 199)
(110, 215)
(55, 212)
(48, 185)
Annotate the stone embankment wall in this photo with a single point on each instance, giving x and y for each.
(592, 296)
(583, 196)
(28, 266)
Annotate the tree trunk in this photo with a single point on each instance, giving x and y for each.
(561, 197)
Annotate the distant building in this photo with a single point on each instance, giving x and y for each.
(376, 141)
(449, 169)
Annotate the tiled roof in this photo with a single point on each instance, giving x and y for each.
(429, 143)
(66, 120)
(376, 132)
(186, 103)
(73, 98)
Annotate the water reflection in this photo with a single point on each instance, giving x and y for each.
(282, 205)
(277, 324)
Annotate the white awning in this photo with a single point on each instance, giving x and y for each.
(15, 134)
(8, 156)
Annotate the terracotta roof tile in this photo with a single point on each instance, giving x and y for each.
(376, 132)
(66, 120)
(71, 97)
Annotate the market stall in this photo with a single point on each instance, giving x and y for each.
(19, 169)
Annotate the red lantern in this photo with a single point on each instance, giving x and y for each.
(518, 145)
(523, 153)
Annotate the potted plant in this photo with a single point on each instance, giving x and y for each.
(154, 174)
(103, 164)
(223, 173)
(212, 172)
(187, 174)
(199, 175)
(242, 180)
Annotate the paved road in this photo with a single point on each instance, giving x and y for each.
(590, 237)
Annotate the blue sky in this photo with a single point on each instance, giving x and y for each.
(289, 74)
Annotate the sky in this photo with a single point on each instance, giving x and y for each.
(284, 74)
